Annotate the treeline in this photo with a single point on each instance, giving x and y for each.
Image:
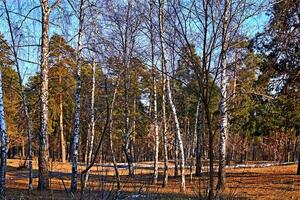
(155, 81)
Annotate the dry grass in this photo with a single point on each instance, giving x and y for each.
(278, 182)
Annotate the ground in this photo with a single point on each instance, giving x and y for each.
(277, 182)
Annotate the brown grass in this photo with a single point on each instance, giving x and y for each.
(278, 182)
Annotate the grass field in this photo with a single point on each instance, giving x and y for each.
(277, 182)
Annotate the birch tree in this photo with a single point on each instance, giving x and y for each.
(125, 23)
(43, 160)
(155, 117)
(164, 89)
(24, 98)
(166, 83)
(77, 100)
(117, 174)
(61, 122)
(3, 141)
(209, 30)
(223, 103)
(92, 122)
(126, 61)
(43, 136)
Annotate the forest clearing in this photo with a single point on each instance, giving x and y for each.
(264, 183)
(150, 99)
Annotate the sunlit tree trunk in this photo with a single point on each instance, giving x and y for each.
(92, 123)
(88, 136)
(77, 103)
(155, 118)
(164, 131)
(133, 129)
(155, 122)
(234, 73)
(188, 138)
(223, 104)
(127, 128)
(43, 160)
(61, 125)
(178, 136)
(168, 90)
(114, 160)
(126, 61)
(3, 142)
(24, 101)
(164, 92)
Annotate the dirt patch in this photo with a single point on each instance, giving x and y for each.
(277, 182)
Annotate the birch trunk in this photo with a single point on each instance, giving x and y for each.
(127, 128)
(77, 103)
(155, 122)
(61, 126)
(155, 118)
(111, 138)
(234, 73)
(164, 118)
(223, 106)
(188, 136)
(126, 61)
(165, 143)
(24, 101)
(43, 160)
(178, 136)
(133, 129)
(29, 137)
(87, 142)
(168, 90)
(91, 140)
(99, 145)
(3, 142)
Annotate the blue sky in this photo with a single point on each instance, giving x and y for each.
(30, 32)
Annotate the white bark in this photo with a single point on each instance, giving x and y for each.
(127, 128)
(61, 126)
(115, 164)
(87, 142)
(155, 122)
(133, 129)
(126, 60)
(168, 90)
(234, 73)
(77, 103)
(43, 160)
(223, 105)
(24, 100)
(164, 131)
(92, 123)
(3, 141)
(164, 117)
(155, 117)
(178, 135)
